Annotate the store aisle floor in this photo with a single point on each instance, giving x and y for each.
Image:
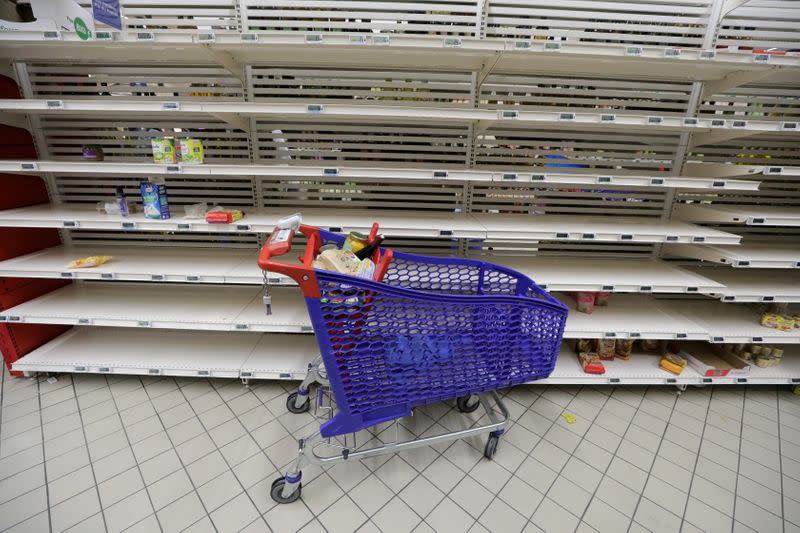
(113, 453)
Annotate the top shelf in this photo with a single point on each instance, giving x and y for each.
(431, 52)
(751, 215)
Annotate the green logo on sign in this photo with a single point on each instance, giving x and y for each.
(81, 29)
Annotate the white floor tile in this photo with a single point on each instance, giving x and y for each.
(448, 517)
(397, 517)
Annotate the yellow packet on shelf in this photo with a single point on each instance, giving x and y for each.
(89, 262)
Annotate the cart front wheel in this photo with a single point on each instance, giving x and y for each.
(467, 404)
(491, 446)
(291, 404)
(277, 491)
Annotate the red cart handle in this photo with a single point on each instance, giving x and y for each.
(280, 243)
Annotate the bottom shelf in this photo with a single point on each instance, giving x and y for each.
(286, 356)
(172, 353)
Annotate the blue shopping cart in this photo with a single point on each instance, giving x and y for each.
(430, 329)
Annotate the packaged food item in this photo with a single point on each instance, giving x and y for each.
(224, 216)
(190, 151)
(777, 352)
(590, 362)
(339, 261)
(154, 200)
(355, 242)
(777, 321)
(586, 345)
(163, 151)
(92, 152)
(601, 298)
(796, 319)
(89, 262)
(623, 348)
(605, 349)
(673, 363)
(370, 248)
(651, 345)
(366, 269)
(584, 302)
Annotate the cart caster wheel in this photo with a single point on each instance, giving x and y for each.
(292, 407)
(277, 491)
(491, 446)
(464, 404)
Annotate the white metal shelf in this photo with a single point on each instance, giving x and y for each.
(233, 50)
(607, 179)
(236, 113)
(418, 224)
(405, 224)
(241, 309)
(747, 254)
(599, 228)
(730, 323)
(609, 275)
(640, 369)
(276, 356)
(130, 263)
(752, 215)
(172, 353)
(631, 316)
(214, 308)
(745, 285)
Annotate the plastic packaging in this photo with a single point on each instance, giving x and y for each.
(584, 302)
(224, 216)
(89, 262)
(673, 363)
(623, 348)
(122, 203)
(340, 261)
(651, 345)
(591, 364)
(605, 349)
(190, 151)
(164, 151)
(197, 210)
(154, 200)
(92, 152)
(601, 298)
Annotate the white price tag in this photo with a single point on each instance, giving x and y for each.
(282, 235)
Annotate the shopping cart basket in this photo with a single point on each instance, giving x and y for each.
(433, 329)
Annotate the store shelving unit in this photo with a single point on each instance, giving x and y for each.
(597, 153)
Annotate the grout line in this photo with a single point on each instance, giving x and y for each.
(91, 463)
(217, 448)
(180, 460)
(697, 460)
(44, 459)
(780, 456)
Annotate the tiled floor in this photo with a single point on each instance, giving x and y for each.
(95, 453)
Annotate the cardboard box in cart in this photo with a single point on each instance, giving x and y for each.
(711, 361)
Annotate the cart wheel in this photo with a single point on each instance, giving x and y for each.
(277, 491)
(491, 446)
(464, 405)
(292, 407)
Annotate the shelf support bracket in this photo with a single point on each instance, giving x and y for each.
(735, 79)
(235, 120)
(15, 120)
(486, 69)
(730, 5)
(228, 61)
(703, 139)
(481, 126)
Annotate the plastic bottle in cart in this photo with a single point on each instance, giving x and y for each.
(122, 202)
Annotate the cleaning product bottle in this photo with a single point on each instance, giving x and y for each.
(122, 202)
